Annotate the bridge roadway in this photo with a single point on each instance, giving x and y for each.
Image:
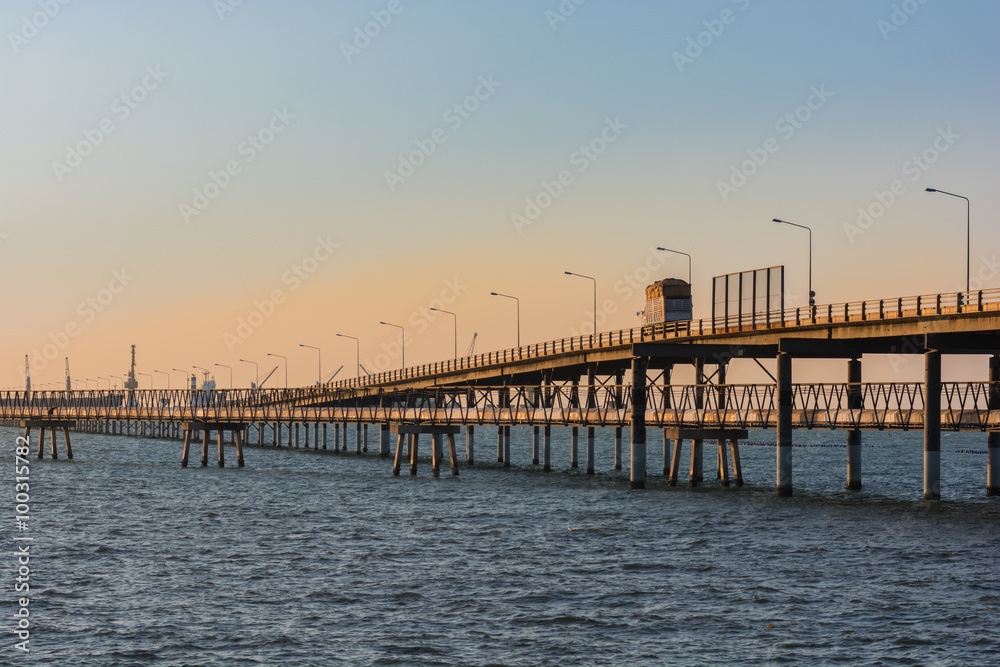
(957, 322)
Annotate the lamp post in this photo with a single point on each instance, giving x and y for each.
(101, 377)
(319, 354)
(205, 370)
(507, 296)
(150, 378)
(256, 371)
(357, 352)
(580, 275)
(678, 252)
(286, 366)
(187, 374)
(441, 310)
(168, 378)
(812, 295)
(402, 342)
(968, 233)
(230, 374)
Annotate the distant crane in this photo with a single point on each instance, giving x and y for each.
(330, 378)
(27, 374)
(267, 378)
(472, 346)
(69, 383)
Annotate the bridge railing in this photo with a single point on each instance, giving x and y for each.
(854, 311)
(965, 405)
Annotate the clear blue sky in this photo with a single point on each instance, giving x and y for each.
(339, 111)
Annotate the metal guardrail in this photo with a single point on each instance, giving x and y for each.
(854, 311)
(896, 405)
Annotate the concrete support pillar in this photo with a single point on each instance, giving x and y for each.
(993, 463)
(855, 401)
(222, 448)
(324, 436)
(785, 404)
(734, 449)
(932, 425)
(618, 448)
(675, 462)
(204, 449)
(697, 475)
(573, 454)
(357, 438)
(666, 454)
(534, 445)
(590, 450)
(506, 446)
(297, 435)
(993, 438)
(364, 438)
(414, 442)
(436, 455)
(499, 444)
(470, 445)
(547, 449)
(383, 441)
(305, 427)
(637, 469)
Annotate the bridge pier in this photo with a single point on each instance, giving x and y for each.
(191, 428)
(855, 401)
(52, 425)
(470, 445)
(637, 454)
(697, 475)
(546, 448)
(412, 432)
(590, 450)
(574, 436)
(499, 443)
(932, 425)
(506, 446)
(364, 439)
(357, 438)
(383, 441)
(534, 445)
(993, 437)
(618, 448)
(785, 405)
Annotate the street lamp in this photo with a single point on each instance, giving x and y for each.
(319, 355)
(580, 275)
(101, 377)
(286, 366)
(441, 310)
(256, 371)
(168, 378)
(357, 352)
(187, 374)
(678, 252)
(150, 378)
(402, 343)
(968, 232)
(812, 295)
(507, 296)
(230, 374)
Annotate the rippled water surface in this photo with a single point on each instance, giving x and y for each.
(320, 558)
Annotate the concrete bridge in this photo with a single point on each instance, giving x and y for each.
(560, 383)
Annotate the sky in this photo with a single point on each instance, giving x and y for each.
(219, 180)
